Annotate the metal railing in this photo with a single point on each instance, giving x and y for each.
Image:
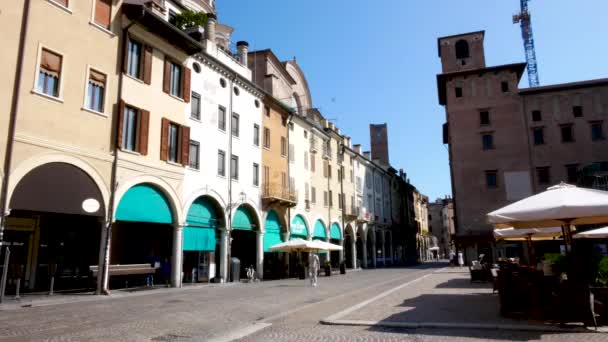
(279, 192)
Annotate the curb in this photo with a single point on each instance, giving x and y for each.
(457, 325)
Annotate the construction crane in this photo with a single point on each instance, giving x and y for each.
(523, 18)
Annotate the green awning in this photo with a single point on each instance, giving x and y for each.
(243, 219)
(298, 228)
(199, 239)
(319, 232)
(144, 203)
(202, 213)
(272, 227)
(335, 233)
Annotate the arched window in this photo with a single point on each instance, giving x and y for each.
(462, 49)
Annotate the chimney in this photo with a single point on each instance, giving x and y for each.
(357, 148)
(243, 50)
(367, 155)
(337, 130)
(210, 27)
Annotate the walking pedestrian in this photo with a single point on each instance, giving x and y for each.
(313, 268)
(460, 259)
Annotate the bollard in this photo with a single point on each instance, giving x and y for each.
(52, 285)
(18, 288)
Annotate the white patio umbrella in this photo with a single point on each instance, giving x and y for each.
(533, 234)
(324, 246)
(295, 245)
(560, 205)
(599, 233)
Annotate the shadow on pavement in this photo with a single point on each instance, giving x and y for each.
(482, 335)
(463, 284)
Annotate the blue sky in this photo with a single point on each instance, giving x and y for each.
(376, 61)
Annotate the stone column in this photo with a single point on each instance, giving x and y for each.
(327, 255)
(390, 247)
(374, 248)
(176, 267)
(259, 257)
(354, 252)
(224, 255)
(341, 253)
(103, 278)
(364, 249)
(285, 236)
(383, 238)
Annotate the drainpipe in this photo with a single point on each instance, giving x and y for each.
(103, 276)
(289, 121)
(343, 208)
(12, 123)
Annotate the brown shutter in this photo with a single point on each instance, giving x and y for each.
(164, 139)
(147, 64)
(125, 54)
(167, 77)
(185, 140)
(121, 120)
(186, 84)
(144, 125)
(103, 11)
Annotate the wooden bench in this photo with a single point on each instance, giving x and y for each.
(132, 269)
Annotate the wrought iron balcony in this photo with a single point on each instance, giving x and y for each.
(282, 195)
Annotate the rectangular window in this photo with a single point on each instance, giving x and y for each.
(567, 135)
(458, 92)
(173, 143)
(195, 106)
(129, 129)
(172, 17)
(313, 195)
(256, 174)
(266, 177)
(542, 174)
(306, 134)
(234, 167)
(340, 201)
(504, 86)
(325, 201)
(492, 179)
(312, 162)
(292, 153)
(266, 137)
(488, 141)
(539, 137)
(597, 133)
(49, 73)
(175, 79)
(330, 195)
(577, 111)
(572, 171)
(536, 115)
(194, 155)
(283, 147)
(103, 13)
(221, 163)
(484, 118)
(305, 160)
(134, 59)
(256, 134)
(96, 91)
(221, 118)
(234, 125)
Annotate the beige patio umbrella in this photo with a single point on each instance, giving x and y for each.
(599, 233)
(295, 245)
(561, 205)
(533, 234)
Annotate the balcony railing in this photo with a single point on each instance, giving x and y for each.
(351, 212)
(277, 193)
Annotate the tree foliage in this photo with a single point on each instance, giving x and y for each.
(188, 19)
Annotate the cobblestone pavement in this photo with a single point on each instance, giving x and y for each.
(192, 314)
(291, 310)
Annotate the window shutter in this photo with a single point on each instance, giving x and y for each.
(148, 64)
(125, 54)
(167, 77)
(185, 140)
(121, 120)
(103, 10)
(164, 140)
(144, 125)
(186, 83)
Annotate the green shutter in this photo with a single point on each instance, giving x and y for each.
(298, 228)
(319, 232)
(243, 219)
(335, 233)
(144, 203)
(272, 231)
(199, 239)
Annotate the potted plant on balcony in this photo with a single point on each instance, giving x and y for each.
(327, 268)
